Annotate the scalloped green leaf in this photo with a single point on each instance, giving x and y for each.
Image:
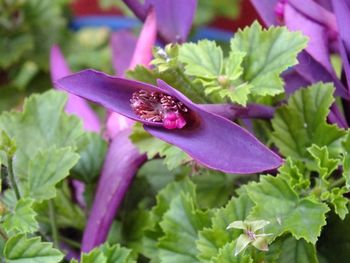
(41, 125)
(21, 249)
(181, 224)
(295, 251)
(276, 202)
(22, 219)
(203, 59)
(108, 254)
(269, 52)
(324, 164)
(302, 122)
(47, 168)
(212, 238)
(226, 255)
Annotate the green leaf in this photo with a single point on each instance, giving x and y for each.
(226, 255)
(166, 58)
(92, 150)
(7, 145)
(325, 165)
(47, 168)
(295, 173)
(346, 161)
(164, 198)
(213, 238)
(68, 213)
(276, 202)
(181, 224)
(21, 249)
(295, 251)
(302, 122)
(22, 219)
(146, 143)
(268, 53)
(41, 125)
(108, 254)
(339, 202)
(204, 59)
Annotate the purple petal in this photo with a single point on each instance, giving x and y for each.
(207, 136)
(174, 17)
(232, 111)
(342, 11)
(121, 164)
(313, 71)
(216, 142)
(315, 12)
(122, 44)
(266, 8)
(318, 41)
(143, 50)
(75, 105)
(112, 92)
(294, 81)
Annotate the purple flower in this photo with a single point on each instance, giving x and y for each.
(174, 17)
(167, 114)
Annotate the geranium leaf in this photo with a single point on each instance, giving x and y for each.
(181, 224)
(204, 59)
(295, 251)
(276, 202)
(47, 168)
(268, 53)
(211, 239)
(21, 249)
(226, 255)
(324, 164)
(302, 122)
(108, 254)
(22, 219)
(43, 121)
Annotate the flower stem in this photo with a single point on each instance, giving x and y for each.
(53, 223)
(12, 177)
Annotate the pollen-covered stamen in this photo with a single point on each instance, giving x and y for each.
(159, 107)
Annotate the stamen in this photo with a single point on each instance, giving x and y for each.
(159, 107)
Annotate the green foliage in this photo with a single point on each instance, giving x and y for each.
(21, 219)
(268, 53)
(108, 254)
(213, 238)
(41, 125)
(46, 169)
(180, 225)
(21, 249)
(302, 122)
(225, 255)
(146, 143)
(294, 251)
(276, 202)
(92, 150)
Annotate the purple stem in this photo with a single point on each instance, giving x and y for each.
(230, 111)
(121, 164)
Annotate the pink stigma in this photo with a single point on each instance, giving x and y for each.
(159, 107)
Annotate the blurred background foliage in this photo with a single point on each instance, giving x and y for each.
(28, 29)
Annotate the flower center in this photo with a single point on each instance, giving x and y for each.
(159, 107)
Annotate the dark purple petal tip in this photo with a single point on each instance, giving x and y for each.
(210, 139)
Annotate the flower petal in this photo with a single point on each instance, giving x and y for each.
(111, 92)
(121, 163)
(122, 44)
(174, 17)
(216, 142)
(265, 8)
(75, 105)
